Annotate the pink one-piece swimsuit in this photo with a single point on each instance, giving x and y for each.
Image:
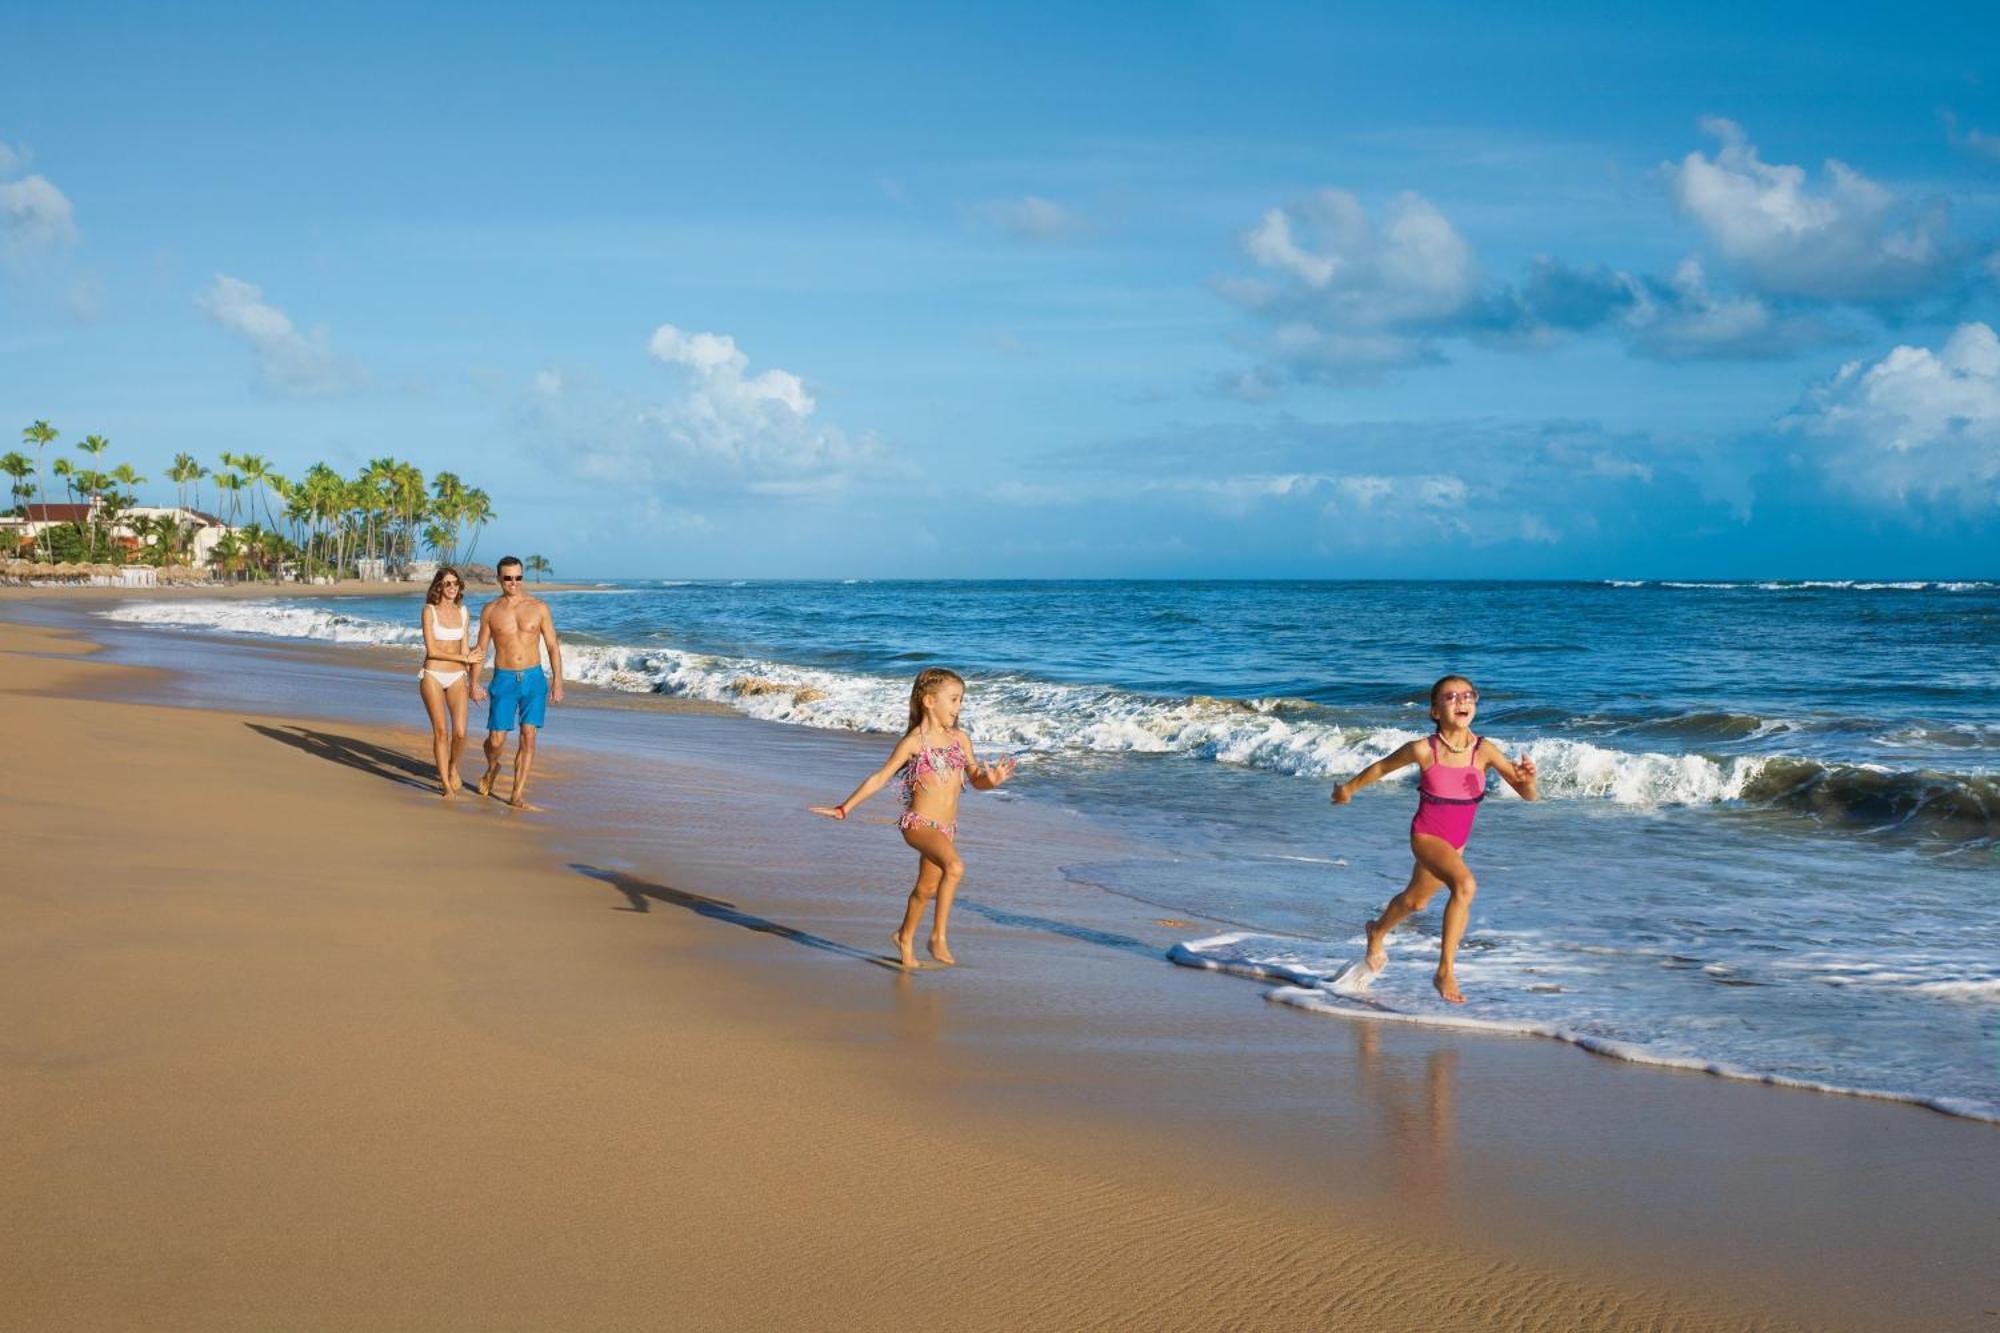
(1448, 798)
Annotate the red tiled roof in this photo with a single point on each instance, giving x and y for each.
(57, 513)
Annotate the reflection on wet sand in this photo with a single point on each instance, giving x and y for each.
(1417, 1115)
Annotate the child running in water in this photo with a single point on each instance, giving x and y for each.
(1449, 790)
(935, 761)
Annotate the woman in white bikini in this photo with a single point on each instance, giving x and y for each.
(450, 672)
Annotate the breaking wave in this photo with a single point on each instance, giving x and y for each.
(1278, 735)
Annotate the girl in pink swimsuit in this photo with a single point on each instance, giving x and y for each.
(934, 762)
(1449, 789)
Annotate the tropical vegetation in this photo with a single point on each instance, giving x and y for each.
(322, 525)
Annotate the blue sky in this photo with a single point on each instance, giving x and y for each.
(1237, 290)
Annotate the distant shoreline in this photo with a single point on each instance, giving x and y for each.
(247, 591)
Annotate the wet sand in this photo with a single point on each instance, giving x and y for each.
(306, 1047)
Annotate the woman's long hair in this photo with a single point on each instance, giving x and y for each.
(927, 682)
(436, 594)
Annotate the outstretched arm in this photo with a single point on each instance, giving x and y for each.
(1403, 757)
(874, 782)
(1517, 773)
(984, 777)
(555, 654)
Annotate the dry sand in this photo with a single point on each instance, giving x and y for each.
(289, 1045)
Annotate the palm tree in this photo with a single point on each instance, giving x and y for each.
(20, 467)
(94, 445)
(230, 484)
(411, 502)
(185, 472)
(228, 552)
(538, 565)
(377, 480)
(261, 480)
(117, 501)
(41, 434)
(448, 505)
(478, 512)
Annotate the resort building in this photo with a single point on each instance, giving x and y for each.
(19, 531)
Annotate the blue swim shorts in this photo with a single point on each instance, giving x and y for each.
(517, 699)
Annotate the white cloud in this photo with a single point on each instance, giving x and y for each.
(288, 361)
(718, 367)
(1682, 319)
(35, 215)
(10, 159)
(1033, 218)
(725, 428)
(1917, 423)
(1848, 239)
(1440, 492)
(1412, 271)
(1348, 298)
(1364, 490)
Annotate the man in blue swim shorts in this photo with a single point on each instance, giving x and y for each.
(517, 627)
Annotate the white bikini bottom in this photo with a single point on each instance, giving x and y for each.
(446, 679)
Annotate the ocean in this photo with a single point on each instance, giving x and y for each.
(1766, 845)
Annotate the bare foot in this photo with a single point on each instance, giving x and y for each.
(518, 804)
(457, 783)
(905, 947)
(1378, 948)
(941, 951)
(486, 783)
(1448, 988)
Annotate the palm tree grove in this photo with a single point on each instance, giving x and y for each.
(318, 526)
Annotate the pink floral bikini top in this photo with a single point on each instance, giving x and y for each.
(933, 761)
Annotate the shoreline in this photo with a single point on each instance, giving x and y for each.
(248, 590)
(1044, 1066)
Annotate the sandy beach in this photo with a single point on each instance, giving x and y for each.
(298, 1044)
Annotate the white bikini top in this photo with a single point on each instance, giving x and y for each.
(444, 633)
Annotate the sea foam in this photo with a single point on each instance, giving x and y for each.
(1316, 978)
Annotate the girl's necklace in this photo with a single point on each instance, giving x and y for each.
(1455, 749)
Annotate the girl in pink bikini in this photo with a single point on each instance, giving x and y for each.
(1449, 790)
(934, 760)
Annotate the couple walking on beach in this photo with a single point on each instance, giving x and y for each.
(515, 627)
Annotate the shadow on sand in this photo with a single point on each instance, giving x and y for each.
(362, 756)
(642, 894)
(1103, 939)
